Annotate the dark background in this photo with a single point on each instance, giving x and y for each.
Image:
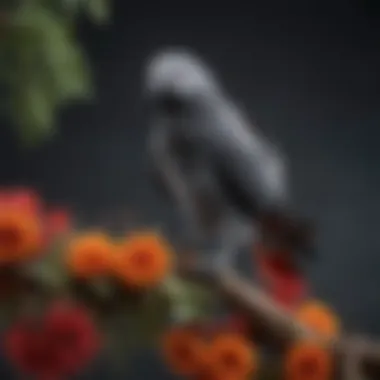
(307, 72)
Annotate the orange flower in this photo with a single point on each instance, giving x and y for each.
(90, 255)
(143, 260)
(319, 318)
(231, 357)
(308, 361)
(20, 235)
(206, 373)
(183, 350)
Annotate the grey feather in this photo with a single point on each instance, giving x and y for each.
(205, 150)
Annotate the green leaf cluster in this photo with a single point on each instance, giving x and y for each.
(42, 65)
(189, 301)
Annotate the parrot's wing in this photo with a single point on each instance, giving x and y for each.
(251, 169)
(253, 174)
(255, 182)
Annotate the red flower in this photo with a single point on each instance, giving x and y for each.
(289, 295)
(22, 199)
(74, 334)
(281, 278)
(58, 222)
(63, 344)
(30, 351)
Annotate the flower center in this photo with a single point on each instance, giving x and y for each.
(141, 259)
(9, 236)
(95, 259)
(67, 337)
(184, 353)
(230, 361)
(308, 367)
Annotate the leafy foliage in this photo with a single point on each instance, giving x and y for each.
(190, 302)
(42, 65)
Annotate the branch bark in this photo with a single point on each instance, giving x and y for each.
(278, 326)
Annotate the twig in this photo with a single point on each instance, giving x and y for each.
(351, 361)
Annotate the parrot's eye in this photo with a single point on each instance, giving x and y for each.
(171, 105)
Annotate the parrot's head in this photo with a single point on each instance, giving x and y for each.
(176, 79)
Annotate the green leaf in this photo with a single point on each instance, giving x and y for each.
(50, 270)
(151, 318)
(270, 369)
(142, 323)
(33, 111)
(62, 62)
(98, 10)
(42, 66)
(49, 70)
(189, 301)
(102, 288)
(78, 83)
(71, 6)
(9, 310)
(118, 348)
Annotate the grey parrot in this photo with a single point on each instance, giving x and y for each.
(228, 181)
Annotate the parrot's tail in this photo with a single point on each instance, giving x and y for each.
(285, 231)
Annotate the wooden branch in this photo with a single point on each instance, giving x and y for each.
(278, 326)
(351, 363)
